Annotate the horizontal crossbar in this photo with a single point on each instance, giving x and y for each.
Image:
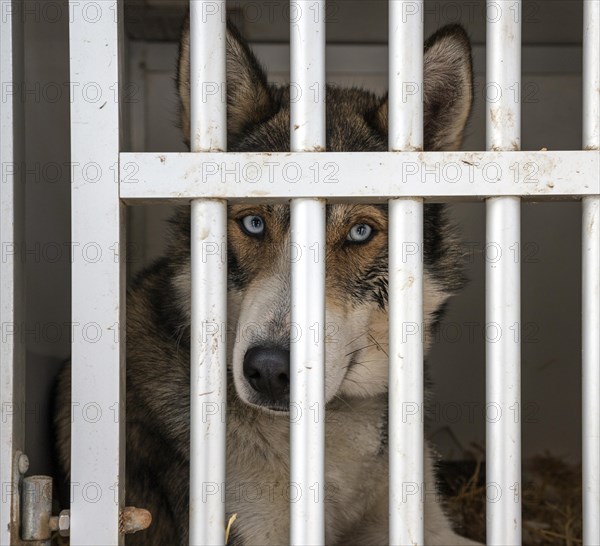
(358, 176)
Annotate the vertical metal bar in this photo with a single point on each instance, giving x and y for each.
(307, 349)
(12, 231)
(406, 371)
(209, 281)
(591, 284)
(503, 283)
(208, 35)
(405, 131)
(406, 281)
(591, 74)
(98, 379)
(208, 373)
(591, 371)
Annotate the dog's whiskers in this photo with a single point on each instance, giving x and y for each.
(181, 331)
(376, 343)
(361, 362)
(360, 349)
(379, 345)
(357, 337)
(344, 401)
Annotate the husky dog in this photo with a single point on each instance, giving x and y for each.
(158, 324)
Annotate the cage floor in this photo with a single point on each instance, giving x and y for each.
(551, 496)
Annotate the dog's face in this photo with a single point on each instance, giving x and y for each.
(259, 249)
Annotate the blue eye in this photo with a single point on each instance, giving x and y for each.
(253, 225)
(360, 233)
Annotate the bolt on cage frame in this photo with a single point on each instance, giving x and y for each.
(405, 178)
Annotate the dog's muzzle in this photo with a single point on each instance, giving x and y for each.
(267, 370)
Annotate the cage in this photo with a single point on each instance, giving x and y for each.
(62, 110)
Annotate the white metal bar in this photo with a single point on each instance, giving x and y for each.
(307, 76)
(12, 229)
(307, 218)
(405, 56)
(307, 430)
(591, 74)
(368, 176)
(208, 133)
(406, 371)
(503, 454)
(503, 283)
(208, 372)
(208, 109)
(98, 380)
(591, 371)
(405, 133)
(591, 283)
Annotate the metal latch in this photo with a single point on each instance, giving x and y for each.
(38, 523)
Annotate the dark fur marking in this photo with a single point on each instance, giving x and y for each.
(164, 307)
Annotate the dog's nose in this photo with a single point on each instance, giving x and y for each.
(267, 369)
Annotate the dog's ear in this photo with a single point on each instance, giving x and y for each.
(448, 89)
(249, 99)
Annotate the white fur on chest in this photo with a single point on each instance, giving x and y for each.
(258, 485)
